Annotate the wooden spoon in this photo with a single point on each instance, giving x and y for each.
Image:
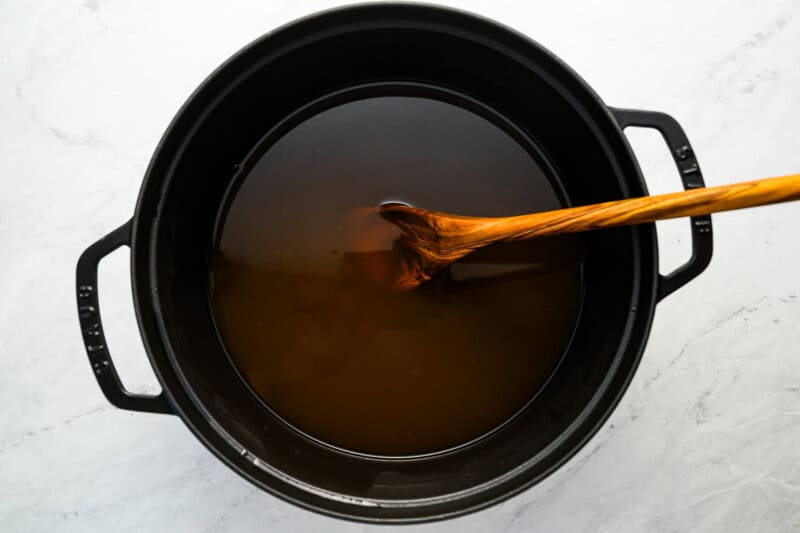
(431, 240)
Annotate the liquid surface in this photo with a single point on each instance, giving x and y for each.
(342, 357)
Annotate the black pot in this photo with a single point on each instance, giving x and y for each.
(170, 236)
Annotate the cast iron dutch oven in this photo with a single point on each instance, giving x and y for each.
(372, 46)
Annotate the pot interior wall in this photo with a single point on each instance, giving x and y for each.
(575, 142)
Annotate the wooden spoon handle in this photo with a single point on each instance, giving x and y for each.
(470, 232)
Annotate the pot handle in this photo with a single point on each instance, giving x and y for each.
(685, 160)
(92, 328)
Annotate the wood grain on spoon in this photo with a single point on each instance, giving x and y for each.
(432, 240)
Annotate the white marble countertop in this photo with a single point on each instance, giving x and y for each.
(705, 439)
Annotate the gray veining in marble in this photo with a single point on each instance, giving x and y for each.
(706, 439)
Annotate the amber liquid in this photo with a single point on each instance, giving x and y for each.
(342, 357)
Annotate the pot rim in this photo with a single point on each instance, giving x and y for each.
(160, 353)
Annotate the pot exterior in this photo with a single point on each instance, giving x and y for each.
(169, 292)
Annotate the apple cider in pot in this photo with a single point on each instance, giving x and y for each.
(300, 253)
